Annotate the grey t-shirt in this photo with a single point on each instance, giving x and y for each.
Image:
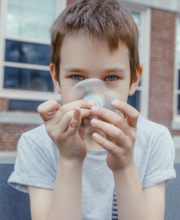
(37, 160)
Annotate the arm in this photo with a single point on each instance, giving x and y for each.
(62, 203)
(119, 142)
(62, 125)
(66, 203)
(143, 204)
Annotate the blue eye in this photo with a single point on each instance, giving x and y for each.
(76, 77)
(111, 78)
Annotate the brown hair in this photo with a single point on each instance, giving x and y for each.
(104, 20)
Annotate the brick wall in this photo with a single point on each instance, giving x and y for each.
(10, 134)
(4, 104)
(162, 67)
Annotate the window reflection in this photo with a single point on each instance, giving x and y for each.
(134, 100)
(26, 79)
(22, 52)
(178, 104)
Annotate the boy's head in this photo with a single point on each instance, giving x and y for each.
(95, 39)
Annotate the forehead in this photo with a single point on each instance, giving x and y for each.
(81, 49)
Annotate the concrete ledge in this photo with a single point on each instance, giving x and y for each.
(20, 118)
(175, 125)
(176, 139)
(8, 157)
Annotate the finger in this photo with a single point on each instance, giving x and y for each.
(48, 109)
(75, 122)
(111, 131)
(84, 104)
(131, 113)
(107, 145)
(111, 117)
(63, 125)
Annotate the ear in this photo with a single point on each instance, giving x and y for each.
(136, 81)
(54, 78)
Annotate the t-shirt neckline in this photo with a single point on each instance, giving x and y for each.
(97, 152)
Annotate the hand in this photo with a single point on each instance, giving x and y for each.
(62, 125)
(120, 134)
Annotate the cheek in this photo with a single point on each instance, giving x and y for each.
(122, 92)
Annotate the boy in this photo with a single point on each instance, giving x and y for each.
(71, 178)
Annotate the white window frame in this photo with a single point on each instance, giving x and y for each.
(145, 53)
(23, 94)
(175, 124)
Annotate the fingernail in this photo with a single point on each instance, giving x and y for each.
(115, 103)
(90, 103)
(94, 109)
(95, 136)
(93, 121)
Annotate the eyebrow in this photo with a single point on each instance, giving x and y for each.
(108, 70)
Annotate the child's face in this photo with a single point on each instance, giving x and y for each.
(83, 59)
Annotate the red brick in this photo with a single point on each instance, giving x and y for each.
(4, 104)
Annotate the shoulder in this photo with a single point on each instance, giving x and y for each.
(150, 133)
(37, 137)
(150, 128)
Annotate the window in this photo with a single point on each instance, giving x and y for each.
(135, 99)
(142, 17)
(25, 43)
(178, 67)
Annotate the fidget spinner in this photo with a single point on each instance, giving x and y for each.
(94, 90)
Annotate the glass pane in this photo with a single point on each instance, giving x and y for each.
(22, 52)
(47, 17)
(48, 4)
(178, 43)
(140, 83)
(45, 34)
(14, 12)
(23, 105)
(30, 31)
(13, 28)
(41, 81)
(33, 2)
(179, 80)
(37, 80)
(134, 100)
(15, 78)
(179, 104)
(31, 15)
(16, 1)
(137, 18)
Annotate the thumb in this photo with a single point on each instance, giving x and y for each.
(48, 109)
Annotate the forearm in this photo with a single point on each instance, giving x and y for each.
(130, 199)
(66, 203)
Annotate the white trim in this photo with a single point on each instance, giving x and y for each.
(175, 124)
(26, 66)
(29, 95)
(20, 118)
(146, 30)
(8, 157)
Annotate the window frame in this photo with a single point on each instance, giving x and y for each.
(17, 93)
(145, 53)
(175, 124)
